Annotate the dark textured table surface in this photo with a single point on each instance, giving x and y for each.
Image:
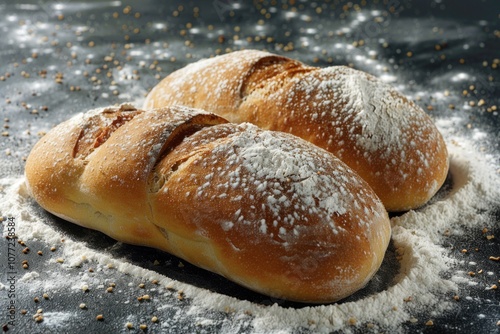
(58, 58)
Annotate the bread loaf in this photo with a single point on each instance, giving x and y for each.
(265, 209)
(386, 138)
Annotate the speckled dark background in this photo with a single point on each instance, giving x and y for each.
(58, 58)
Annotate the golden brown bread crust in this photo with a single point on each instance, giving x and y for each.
(387, 139)
(265, 209)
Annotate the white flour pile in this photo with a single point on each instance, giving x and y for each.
(417, 236)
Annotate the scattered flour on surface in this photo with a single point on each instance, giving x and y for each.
(31, 276)
(54, 320)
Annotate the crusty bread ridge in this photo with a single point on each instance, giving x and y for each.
(386, 138)
(265, 209)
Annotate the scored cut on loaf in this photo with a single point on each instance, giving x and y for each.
(386, 138)
(265, 209)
